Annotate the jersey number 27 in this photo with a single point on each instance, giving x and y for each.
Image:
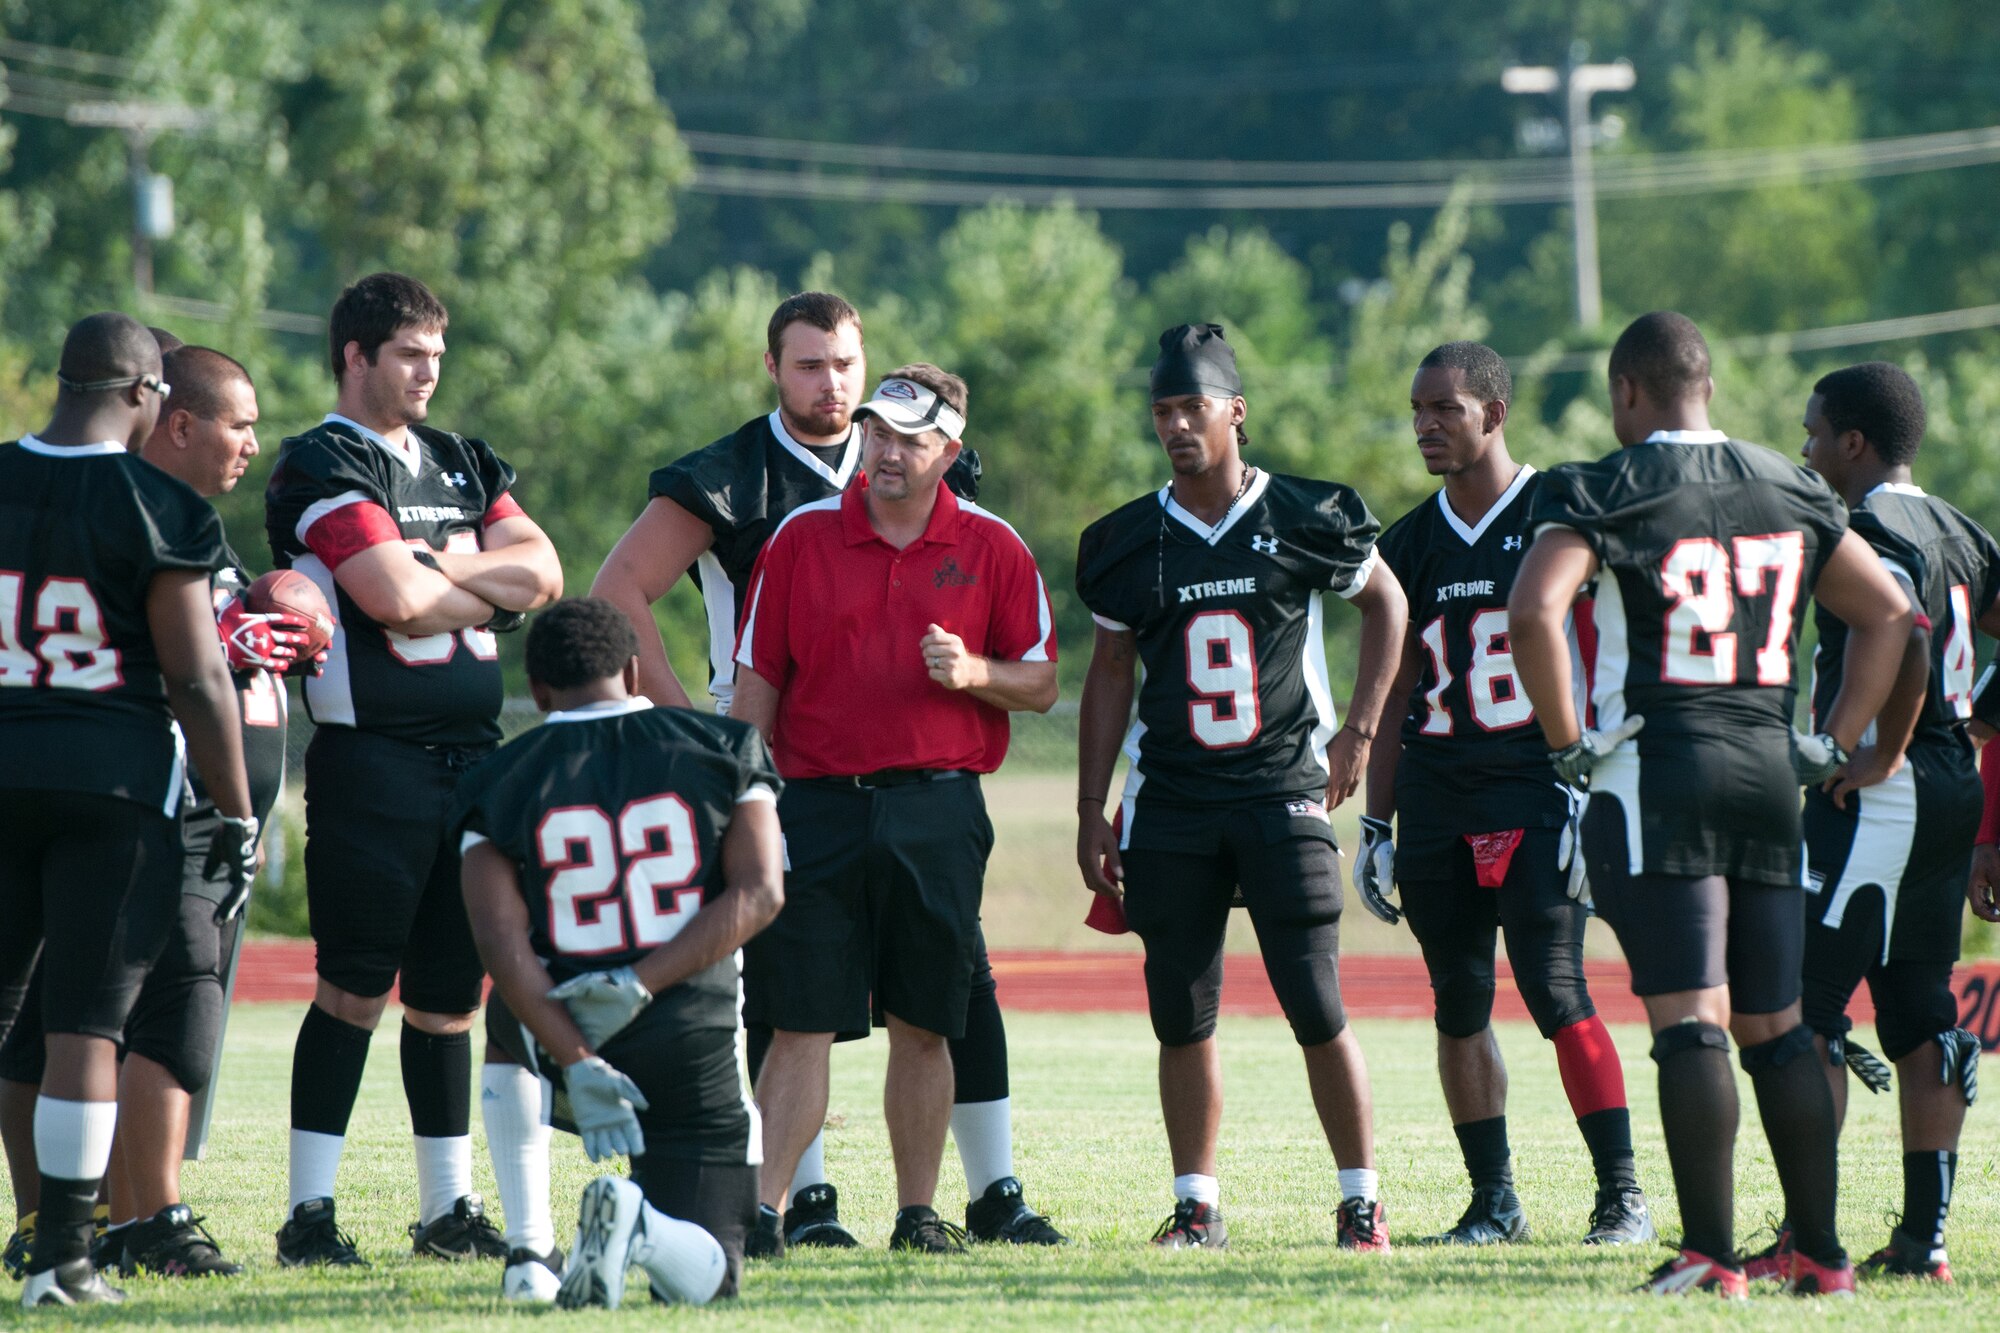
(1702, 579)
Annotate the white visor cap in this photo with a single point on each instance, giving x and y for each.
(908, 408)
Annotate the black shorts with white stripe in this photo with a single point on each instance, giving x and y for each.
(1909, 837)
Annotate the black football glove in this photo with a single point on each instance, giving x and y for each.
(505, 621)
(1815, 758)
(1375, 869)
(1575, 761)
(233, 850)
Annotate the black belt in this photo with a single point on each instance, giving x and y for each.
(894, 777)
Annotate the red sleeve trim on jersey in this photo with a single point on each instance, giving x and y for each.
(336, 530)
(503, 508)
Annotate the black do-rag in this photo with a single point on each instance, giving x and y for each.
(1195, 358)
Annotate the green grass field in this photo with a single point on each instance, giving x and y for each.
(1089, 1146)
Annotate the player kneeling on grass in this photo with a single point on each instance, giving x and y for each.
(615, 860)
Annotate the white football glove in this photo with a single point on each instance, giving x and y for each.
(1569, 850)
(602, 1003)
(1375, 870)
(605, 1105)
(1815, 758)
(1574, 762)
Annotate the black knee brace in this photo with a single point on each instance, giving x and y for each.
(1776, 1053)
(1688, 1036)
(1464, 1004)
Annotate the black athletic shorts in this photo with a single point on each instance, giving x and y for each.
(1684, 933)
(382, 885)
(882, 890)
(91, 884)
(1456, 917)
(1910, 837)
(1185, 866)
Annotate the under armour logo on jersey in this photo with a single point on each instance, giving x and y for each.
(1267, 545)
(1510, 543)
(456, 479)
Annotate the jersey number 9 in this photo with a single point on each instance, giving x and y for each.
(1222, 673)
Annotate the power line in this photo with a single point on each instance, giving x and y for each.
(1488, 183)
(1899, 329)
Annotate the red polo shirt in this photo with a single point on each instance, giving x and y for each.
(835, 618)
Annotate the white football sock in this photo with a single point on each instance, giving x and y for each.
(510, 1104)
(1202, 1189)
(73, 1139)
(985, 1134)
(812, 1166)
(684, 1262)
(444, 1174)
(315, 1163)
(1358, 1182)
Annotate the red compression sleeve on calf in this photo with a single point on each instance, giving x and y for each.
(1591, 1074)
(1989, 774)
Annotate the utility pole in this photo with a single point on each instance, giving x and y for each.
(1581, 82)
(152, 196)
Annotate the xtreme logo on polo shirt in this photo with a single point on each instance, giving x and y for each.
(835, 616)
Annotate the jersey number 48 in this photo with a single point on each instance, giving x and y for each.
(619, 884)
(73, 647)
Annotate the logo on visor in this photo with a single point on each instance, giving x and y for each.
(897, 389)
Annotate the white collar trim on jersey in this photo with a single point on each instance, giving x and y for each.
(411, 458)
(638, 703)
(1471, 535)
(1687, 437)
(1210, 535)
(47, 450)
(835, 476)
(1894, 488)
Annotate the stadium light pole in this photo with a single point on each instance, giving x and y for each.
(1582, 82)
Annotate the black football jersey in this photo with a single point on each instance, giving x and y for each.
(1235, 704)
(743, 485)
(1474, 759)
(1954, 565)
(615, 817)
(82, 533)
(436, 689)
(1709, 550)
(261, 698)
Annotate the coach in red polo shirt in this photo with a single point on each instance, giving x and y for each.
(889, 632)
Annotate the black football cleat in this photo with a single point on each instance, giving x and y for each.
(108, 1254)
(1001, 1214)
(814, 1219)
(466, 1232)
(1906, 1256)
(174, 1243)
(73, 1283)
(1361, 1225)
(1621, 1217)
(764, 1239)
(920, 1229)
(1194, 1226)
(19, 1245)
(1494, 1217)
(311, 1240)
